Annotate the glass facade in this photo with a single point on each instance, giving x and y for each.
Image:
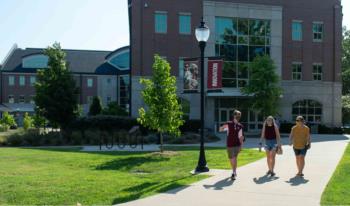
(123, 96)
(239, 41)
(185, 24)
(297, 32)
(160, 19)
(311, 110)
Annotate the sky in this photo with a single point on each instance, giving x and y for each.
(76, 24)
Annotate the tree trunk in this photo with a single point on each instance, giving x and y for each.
(161, 142)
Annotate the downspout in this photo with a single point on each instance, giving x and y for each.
(130, 57)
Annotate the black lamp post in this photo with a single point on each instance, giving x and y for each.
(202, 36)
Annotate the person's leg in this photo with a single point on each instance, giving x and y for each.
(273, 159)
(299, 165)
(234, 164)
(302, 163)
(268, 159)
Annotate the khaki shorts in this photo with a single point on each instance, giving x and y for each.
(233, 151)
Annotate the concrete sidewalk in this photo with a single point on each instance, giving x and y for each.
(252, 186)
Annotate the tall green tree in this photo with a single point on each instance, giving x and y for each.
(95, 107)
(346, 61)
(163, 112)
(56, 91)
(264, 86)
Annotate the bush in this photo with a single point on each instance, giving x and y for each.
(113, 108)
(27, 121)
(104, 122)
(323, 129)
(8, 119)
(4, 127)
(95, 107)
(192, 125)
(286, 127)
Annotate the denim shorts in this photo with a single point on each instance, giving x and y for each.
(300, 151)
(270, 144)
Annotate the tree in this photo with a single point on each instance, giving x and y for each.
(264, 86)
(95, 107)
(38, 119)
(346, 61)
(56, 92)
(113, 108)
(163, 112)
(27, 121)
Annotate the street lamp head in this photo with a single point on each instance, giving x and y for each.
(202, 32)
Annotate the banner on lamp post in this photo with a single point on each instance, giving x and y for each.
(191, 75)
(215, 74)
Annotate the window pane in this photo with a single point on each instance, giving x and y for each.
(242, 27)
(242, 82)
(185, 24)
(242, 53)
(243, 70)
(229, 83)
(229, 52)
(297, 31)
(161, 23)
(257, 27)
(229, 70)
(255, 51)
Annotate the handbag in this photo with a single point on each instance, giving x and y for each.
(279, 150)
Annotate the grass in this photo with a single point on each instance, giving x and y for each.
(67, 176)
(337, 191)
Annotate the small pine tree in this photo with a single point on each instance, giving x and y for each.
(164, 113)
(27, 121)
(95, 107)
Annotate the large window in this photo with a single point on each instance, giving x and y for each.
(161, 24)
(121, 60)
(22, 80)
(36, 61)
(239, 41)
(317, 73)
(11, 80)
(124, 91)
(311, 110)
(186, 108)
(32, 80)
(317, 29)
(185, 23)
(21, 99)
(297, 31)
(296, 73)
(90, 82)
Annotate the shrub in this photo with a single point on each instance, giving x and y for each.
(38, 120)
(95, 107)
(4, 127)
(113, 108)
(286, 127)
(192, 125)
(27, 121)
(8, 119)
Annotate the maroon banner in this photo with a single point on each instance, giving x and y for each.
(215, 73)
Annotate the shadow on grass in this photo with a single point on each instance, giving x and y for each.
(295, 181)
(264, 179)
(136, 192)
(220, 184)
(130, 162)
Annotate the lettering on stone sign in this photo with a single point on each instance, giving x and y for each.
(215, 75)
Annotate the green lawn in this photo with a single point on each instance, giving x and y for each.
(67, 176)
(337, 191)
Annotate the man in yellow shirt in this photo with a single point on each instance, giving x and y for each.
(301, 141)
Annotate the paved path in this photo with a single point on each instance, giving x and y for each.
(253, 188)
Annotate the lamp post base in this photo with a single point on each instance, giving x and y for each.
(201, 169)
